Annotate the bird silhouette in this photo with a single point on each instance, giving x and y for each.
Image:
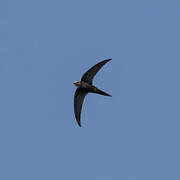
(86, 86)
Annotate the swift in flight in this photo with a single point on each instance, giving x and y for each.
(86, 86)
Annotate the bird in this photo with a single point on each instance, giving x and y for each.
(85, 86)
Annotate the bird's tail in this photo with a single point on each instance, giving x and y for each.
(98, 91)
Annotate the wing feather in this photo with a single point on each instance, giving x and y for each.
(78, 101)
(89, 75)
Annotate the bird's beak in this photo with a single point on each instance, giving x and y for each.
(76, 83)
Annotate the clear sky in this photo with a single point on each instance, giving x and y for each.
(47, 45)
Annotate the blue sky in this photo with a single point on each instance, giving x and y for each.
(45, 46)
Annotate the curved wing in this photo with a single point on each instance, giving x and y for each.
(78, 101)
(89, 75)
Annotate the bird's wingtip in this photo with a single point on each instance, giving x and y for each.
(79, 123)
(109, 59)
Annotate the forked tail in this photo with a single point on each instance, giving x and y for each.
(98, 91)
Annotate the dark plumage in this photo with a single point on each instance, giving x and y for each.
(85, 86)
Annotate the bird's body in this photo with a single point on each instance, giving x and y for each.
(91, 89)
(85, 86)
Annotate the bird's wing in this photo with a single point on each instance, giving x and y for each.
(89, 75)
(78, 101)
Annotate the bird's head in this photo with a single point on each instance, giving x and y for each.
(77, 83)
